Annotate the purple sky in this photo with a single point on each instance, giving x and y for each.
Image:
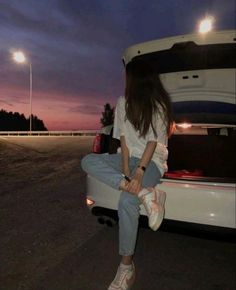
(75, 47)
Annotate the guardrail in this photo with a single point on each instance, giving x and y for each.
(50, 133)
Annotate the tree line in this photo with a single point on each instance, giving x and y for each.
(107, 115)
(14, 121)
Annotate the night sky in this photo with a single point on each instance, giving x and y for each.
(75, 47)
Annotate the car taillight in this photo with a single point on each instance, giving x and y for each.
(97, 148)
(89, 201)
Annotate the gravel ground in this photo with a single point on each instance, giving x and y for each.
(42, 204)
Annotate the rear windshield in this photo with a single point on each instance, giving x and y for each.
(210, 112)
(190, 56)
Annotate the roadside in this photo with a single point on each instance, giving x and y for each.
(42, 206)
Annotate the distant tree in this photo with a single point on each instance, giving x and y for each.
(107, 115)
(10, 121)
(37, 124)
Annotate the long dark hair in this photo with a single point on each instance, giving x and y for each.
(145, 96)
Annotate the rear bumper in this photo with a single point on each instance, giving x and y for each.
(192, 202)
(185, 228)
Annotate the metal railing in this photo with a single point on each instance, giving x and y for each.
(50, 133)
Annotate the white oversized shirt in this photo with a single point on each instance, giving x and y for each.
(137, 144)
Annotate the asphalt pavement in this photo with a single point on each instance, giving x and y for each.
(50, 241)
(163, 260)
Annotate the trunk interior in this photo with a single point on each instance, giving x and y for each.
(202, 157)
(209, 157)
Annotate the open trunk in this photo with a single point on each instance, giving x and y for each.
(199, 75)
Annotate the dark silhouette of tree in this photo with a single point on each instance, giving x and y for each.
(10, 121)
(107, 115)
(37, 124)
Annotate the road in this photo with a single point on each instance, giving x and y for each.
(50, 241)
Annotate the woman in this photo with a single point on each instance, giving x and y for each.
(142, 123)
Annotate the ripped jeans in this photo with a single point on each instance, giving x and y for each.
(107, 168)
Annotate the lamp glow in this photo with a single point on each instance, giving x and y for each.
(206, 25)
(184, 125)
(19, 56)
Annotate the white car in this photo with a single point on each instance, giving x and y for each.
(199, 73)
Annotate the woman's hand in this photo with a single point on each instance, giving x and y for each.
(135, 185)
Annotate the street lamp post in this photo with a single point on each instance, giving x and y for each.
(19, 57)
(31, 82)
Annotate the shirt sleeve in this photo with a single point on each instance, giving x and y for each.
(118, 129)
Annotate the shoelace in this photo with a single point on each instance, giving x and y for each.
(120, 275)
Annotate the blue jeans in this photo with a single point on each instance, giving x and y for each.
(108, 169)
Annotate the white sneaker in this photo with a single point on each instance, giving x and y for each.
(124, 278)
(154, 203)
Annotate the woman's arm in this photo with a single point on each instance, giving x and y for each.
(148, 153)
(136, 182)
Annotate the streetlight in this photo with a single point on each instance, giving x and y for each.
(19, 57)
(206, 25)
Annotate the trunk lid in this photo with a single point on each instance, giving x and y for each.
(198, 71)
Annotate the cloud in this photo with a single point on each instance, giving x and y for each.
(87, 109)
(4, 102)
(74, 49)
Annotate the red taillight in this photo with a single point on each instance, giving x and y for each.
(97, 144)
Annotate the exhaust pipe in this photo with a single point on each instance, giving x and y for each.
(110, 222)
(101, 220)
